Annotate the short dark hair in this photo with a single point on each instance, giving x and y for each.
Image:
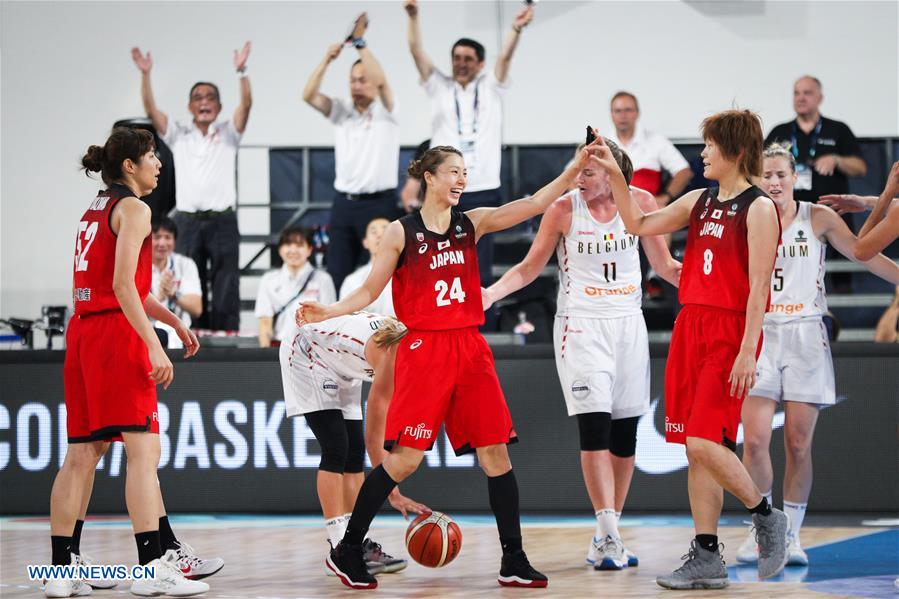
(624, 94)
(166, 224)
(301, 235)
(218, 96)
(123, 144)
(738, 134)
(470, 43)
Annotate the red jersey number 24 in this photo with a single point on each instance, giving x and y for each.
(447, 293)
(87, 232)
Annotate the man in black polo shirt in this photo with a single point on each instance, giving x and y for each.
(826, 151)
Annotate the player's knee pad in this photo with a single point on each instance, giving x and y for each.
(331, 434)
(623, 441)
(355, 459)
(594, 430)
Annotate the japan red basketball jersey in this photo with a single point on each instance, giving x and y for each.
(95, 247)
(716, 259)
(436, 285)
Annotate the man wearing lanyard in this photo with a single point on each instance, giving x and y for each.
(826, 151)
(466, 112)
(366, 151)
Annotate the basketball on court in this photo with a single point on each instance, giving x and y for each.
(433, 540)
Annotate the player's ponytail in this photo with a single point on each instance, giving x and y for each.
(428, 163)
(123, 144)
(389, 332)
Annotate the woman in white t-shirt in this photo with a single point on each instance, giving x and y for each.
(795, 365)
(282, 290)
(371, 242)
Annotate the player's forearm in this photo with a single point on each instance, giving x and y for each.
(755, 314)
(155, 310)
(133, 309)
(877, 214)
(630, 211)
(519, 276)
(354, 302)
(886, 326)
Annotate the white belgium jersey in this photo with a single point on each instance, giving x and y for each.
(339, 344)
(797, 285)
(599, 267)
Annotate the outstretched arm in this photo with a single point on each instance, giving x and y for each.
(242, 112)
(882, 225)
(656, 248)
(826, 222)
(886, 326)
(375, 73)
(504, 60)
(422, 60)
(144, 62)
(555, 223)
(311, 95)
(384, 264)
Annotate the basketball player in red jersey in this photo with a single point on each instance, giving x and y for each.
(444, 368)
(731, 245)
(114, 362)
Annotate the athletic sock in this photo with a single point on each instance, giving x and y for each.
(62, 550)
(76, 537)
(708, 542)
(148, 547)
(167, 538)
(607, 523)
(503, 492)
(796, 512)
(768, 496)
(336, 529)
(372, 495)
(763, 508)
(618, 516)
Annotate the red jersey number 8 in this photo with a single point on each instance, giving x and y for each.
(89, 232)
(455, 292)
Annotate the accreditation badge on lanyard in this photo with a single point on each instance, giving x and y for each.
(468, 140)
(804, 169)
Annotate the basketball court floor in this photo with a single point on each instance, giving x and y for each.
(268, 557)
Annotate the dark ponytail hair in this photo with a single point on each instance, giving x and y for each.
(428, 163)
(124, 143)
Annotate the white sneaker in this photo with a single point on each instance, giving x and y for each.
(194, 567)
(169, 580)
(632, 561)
(66, 588)
(748, 553)
(96, 584)
(795, 555)
(593, 550)
(611, 555)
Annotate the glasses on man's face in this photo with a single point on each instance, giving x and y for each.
(200, 97)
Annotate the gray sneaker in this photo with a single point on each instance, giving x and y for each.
(702, 569)
(375, 556)
(771, 536)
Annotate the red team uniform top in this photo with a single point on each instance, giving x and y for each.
(95, 248)
(716, 260)
(436, 285)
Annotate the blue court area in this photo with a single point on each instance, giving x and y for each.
(862, 566)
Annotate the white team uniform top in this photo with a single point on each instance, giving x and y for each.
(797, 287)
(599, 267)
(339, 343)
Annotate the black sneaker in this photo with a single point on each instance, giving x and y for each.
(347, 563)
(516, 571)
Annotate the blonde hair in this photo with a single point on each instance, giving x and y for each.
(781, 150)
(390, 332)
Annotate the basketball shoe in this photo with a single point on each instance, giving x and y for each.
(702, 569)
(169, 580)
(748, 552)
(374, 556)
(771, 536)
(194, 567)
(632, 560)
(96, 584)
(67, 587)
(348, 563)
(611, 555)
(516, 571)
(795, 555)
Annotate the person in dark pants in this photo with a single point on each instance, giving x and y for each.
(205, 156)
(366, 152)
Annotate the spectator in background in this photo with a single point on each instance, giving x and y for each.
(366, 151)
(205, 153)
(466, 113)
(651, 153)
(282, 290)
(825, 150)
(372, 241)
(887, 330)
(176, 282)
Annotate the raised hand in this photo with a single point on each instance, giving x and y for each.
(523, 18)
(844, 203)
(310, 312)
(144, 62)
(241, 56)
(411, 7)
(189, 340)
(405, 505)
(600, 154)
(333, 52)
(359, 27)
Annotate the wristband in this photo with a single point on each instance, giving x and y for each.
(516, 29)
(242, 72)
(358, 42)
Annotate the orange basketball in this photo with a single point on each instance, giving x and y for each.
(433, 540)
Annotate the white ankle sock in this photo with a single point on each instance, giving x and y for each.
(336, 527)
(607, 524)
(796, 512)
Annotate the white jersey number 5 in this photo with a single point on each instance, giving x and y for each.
(455, 292)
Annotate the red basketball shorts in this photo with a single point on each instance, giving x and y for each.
(447, 377)
(698, 402)
(107, 383)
